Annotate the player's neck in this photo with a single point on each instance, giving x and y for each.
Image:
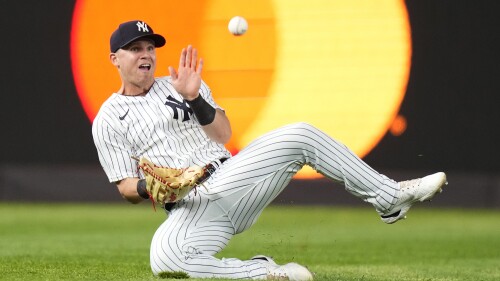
(134, 90)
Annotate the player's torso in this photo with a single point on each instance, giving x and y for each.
(161, 126)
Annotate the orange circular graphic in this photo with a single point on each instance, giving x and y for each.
(398, 126)
(340, 65)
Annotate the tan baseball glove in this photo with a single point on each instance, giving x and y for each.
(167, 185)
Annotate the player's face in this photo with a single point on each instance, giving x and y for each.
(136, 63)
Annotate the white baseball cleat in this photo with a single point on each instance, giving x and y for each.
(420, 190)
(288, 272)
(291, 272)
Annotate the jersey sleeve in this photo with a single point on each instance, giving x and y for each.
(113, 149)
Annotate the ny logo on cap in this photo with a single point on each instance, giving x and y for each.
(142, 25)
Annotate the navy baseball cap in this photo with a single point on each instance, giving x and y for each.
(130, 31)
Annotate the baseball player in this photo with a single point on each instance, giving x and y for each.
(174, 122)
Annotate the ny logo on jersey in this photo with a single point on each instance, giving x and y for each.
(142, 25)
(177, 105)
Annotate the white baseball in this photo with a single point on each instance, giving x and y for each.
(238, 25)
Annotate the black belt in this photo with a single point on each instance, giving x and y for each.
(209, 170)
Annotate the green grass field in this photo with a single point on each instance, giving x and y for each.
(111, 242)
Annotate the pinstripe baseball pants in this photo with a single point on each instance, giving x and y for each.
(201, 225)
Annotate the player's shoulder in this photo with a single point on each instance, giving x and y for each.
(164, 80)
(110, 102)
(163, 83)
(109, 107)
(204, 87)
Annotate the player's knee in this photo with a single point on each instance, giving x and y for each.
(165, 264)
(304, 128)
(302, 125)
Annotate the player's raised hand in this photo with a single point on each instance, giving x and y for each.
(187, 79)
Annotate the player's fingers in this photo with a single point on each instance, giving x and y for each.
(182, 61)
(199, 67)
(188, 56)
(194, 58)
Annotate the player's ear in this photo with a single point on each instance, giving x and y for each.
(114, 59)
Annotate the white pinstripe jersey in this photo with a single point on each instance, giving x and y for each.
(159, 126)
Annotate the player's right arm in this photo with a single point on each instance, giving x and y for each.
(115, 154)
(128, 190)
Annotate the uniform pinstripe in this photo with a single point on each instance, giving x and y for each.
(202, 224)
(151, 129)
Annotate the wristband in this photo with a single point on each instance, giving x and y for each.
(203, 110)
(141, 189)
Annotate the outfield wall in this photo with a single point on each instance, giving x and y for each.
(450, 106)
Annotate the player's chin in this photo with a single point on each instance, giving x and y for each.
(145, 74)
(144, 81)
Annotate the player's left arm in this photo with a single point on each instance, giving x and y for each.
(220, 129)
(187, 82)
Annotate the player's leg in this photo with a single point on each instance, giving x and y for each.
(238, 192)
(248, 182)
(194, 232)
